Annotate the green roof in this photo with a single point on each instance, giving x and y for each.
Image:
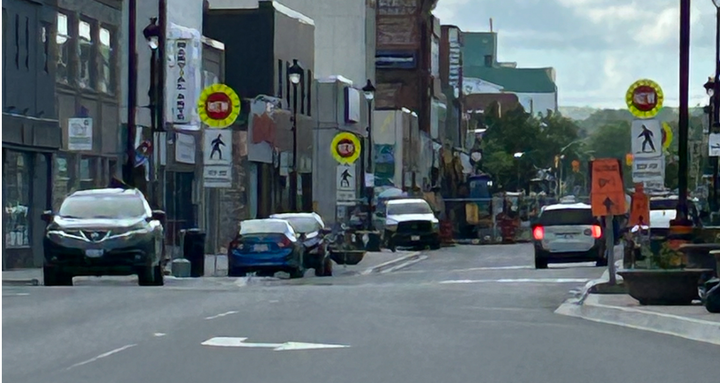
(517, 80)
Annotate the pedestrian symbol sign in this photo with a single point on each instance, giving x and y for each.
(607, 193)
(345, 184)
(217, 147)
(647, 138)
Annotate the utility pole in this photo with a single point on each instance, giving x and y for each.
(132, 94)
(682, 207)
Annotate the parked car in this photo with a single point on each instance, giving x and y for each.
(663, 210)
(312, 227)
(104, 232)
(410, 222)
(266, 246)
(565, 233)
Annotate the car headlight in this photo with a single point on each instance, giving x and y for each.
(392, 226)
(436, 226)
(138, 229)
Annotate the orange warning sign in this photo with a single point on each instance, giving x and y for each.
(607, 193)
(640, 207)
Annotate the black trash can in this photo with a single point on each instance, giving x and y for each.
(194, 251)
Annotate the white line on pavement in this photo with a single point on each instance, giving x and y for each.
(521, 280)
(105, 355)
(222, 315)
(16, 295)
(404, 265)
(159, 334)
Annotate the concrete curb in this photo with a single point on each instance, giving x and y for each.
(21, 282)
(668, 324)
(392, 265)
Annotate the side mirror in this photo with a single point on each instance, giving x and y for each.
(159, 215)
(47, 216)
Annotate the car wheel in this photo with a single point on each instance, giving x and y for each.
(602, 261)
(237, 272)
(541, 263)
(146, 276)
(53, 276)
(326, 268)
(159, 277)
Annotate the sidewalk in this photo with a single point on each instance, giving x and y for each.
(22, 277)
(690, 322)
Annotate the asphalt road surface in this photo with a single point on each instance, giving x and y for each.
(465, 314)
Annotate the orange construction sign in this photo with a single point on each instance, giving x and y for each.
(607, 193)
(640, 208)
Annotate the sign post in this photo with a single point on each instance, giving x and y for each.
(607, 196)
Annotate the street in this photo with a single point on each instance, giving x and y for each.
(464, 314)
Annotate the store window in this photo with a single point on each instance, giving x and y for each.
(88, 172)
(16, 185)
(61, 180)
(63, 48)
(85, 47)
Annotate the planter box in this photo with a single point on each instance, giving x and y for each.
(663, 287)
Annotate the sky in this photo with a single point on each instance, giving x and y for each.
(597, 47)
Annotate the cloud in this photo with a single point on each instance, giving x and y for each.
(598, 47)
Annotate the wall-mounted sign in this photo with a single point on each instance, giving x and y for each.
(345, 148)
(396, 59)
(218, 106)
(644, 98)
(80, 134)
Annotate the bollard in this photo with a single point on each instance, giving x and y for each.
(181, 268)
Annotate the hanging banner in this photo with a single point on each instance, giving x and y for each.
(183, 69)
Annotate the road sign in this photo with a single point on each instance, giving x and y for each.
(646, 138)
(217, 147)
(648, 169)
(345, 184)
(607, 192)
(714, 144)
(640, 207)
(218, 106)
(286, 346)
(644, 98)
(667, 135)
(345, 148)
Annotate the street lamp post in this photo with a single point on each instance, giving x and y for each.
(132, 95)
(369, 91)
(152, 36)
(295, 74)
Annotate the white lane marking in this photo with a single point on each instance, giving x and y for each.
(104, 355)
(274, 301)
(159, 334)
(404, 265)
(521, 280)
(287, 346)
(221, 315)
(489, 268)
(16, 295)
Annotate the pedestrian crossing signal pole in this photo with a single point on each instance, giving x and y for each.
(295, 74)
(369, 91)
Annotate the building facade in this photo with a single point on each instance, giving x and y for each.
(31, 132)
(261, 44)
(535, 88)
(88, 37)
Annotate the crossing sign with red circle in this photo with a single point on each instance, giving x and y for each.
(218, 106)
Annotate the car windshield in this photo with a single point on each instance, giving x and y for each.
(566, 217)
(263, 227)
(408, 208)
(103, 206)
(304, 224)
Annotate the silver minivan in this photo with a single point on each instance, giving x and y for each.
(568, 232)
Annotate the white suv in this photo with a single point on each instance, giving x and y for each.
(565, 233)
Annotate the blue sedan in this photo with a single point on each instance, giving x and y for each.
(266, 246)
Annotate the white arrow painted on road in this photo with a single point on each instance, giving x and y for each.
(287, 346)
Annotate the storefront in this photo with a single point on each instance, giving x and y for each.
(26, 195)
